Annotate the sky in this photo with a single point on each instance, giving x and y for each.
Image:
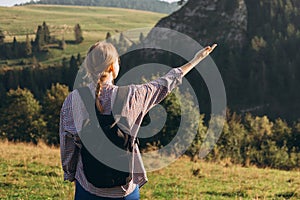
(13, 2)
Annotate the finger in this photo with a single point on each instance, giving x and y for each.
(213, 46)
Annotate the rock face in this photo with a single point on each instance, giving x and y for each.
(209, 21)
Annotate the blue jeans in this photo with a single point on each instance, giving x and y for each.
(82, 194)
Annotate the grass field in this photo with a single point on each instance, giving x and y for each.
(34, 172)
(95, 22)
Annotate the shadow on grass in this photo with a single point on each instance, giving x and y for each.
(227, 194)
(71, 42)
(38, 172)
(288, 195)
(6, 185)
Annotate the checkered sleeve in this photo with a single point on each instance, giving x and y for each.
(69, 151)
(155, 91)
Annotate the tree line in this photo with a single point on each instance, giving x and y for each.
(43, 41)
(246, 140)
(264, 75)
(38, 78)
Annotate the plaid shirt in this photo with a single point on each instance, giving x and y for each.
(140, 100)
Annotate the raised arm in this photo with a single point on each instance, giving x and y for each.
(144, 96)
(200, 55)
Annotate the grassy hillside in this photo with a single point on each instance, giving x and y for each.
(149, 5)
(94, 21)
(34, 172)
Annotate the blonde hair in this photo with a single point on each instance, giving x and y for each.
(99, 59)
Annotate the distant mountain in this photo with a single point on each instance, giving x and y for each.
(258, 53)
(148, 5)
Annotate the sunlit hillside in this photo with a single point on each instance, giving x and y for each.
(34, 172)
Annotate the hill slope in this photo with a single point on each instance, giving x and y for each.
(148, 5)
(22, 20)
(94, 21)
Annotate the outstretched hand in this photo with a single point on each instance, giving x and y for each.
(204, 52)
(200, 55)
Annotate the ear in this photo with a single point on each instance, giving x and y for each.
(111, 68)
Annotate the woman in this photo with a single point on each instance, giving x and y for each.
(102, 65)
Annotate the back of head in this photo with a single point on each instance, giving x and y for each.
(100, 56)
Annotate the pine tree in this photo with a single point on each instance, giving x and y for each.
(28, 47)
(15, 48)
(65, 63)
(142, 37)
(46, 31)
(78, 34)
(39, 39)
(34, 62)
(79, 59)
(108, 37)
(123, 44)
(73, 71)
(65, 71)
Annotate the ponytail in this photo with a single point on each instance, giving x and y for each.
(103, 76)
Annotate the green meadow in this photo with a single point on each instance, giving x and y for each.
(95, 22)
(34, 172)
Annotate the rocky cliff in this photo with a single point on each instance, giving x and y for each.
(258, 54)
(209, 21)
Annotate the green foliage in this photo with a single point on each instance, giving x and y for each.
(257, 141)
(231, 142)
(177, 104)
(183, 114)
(52, 103)
(196, 145)
(258, 130)
(262, 76)
(15, 49)
(21, 117)
(258, 43)
(282, 134)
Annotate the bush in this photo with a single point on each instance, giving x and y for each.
(21, 117)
